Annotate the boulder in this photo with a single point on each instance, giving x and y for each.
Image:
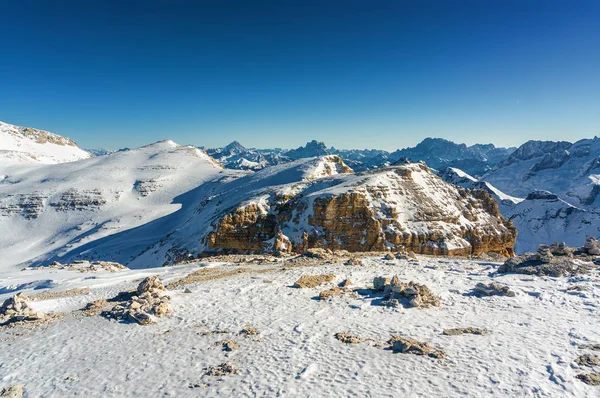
(591, 247)
(150, 284)
(15, 391)
(17, 309)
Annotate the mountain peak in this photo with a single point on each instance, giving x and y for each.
(311, 149)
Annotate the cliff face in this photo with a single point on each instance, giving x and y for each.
(404, 207)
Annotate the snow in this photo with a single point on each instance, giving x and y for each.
(530, 351)
(25, 145)
(137, 186)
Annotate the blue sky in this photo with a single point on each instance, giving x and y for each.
(355, 74)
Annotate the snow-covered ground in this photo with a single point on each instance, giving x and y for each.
(530, 351)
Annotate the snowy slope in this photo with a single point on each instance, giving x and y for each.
(530, 352)
(45, 208)
(28, 145)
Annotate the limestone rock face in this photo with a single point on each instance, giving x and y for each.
(401, 208)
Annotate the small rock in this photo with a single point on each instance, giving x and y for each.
(187, 290)
(348, 338)
(588, 360)
(330, 293)
(249, 331)
(229, 345)
(141, 318)
(389, 256)
(15, 391)
(354, 261)
(380, 282)
(224, 369)
(95, 307)
(593, 379)
(346, 283)
(459, 331)
(493, 289)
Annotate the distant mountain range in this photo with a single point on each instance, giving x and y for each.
(164, 202)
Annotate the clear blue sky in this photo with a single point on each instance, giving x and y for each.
(377, 74)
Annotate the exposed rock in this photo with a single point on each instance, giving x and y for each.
(376, 211)
(15, 391)
(249, 331)
(410, 346)
(588, 360)
(319, 253)
(229, 345)
(389, 257)
(329, 293)
(593, 379)
(149, 284)
(17, 309)
(459, 331)
(380, 282)
(544, 254)
(224, 369)
(561, 249)
(354, 261)
(591, 247)
(346, 283)
(95, 307)
(310, 281)
(348, 338)
(493, 289)
(593, 347)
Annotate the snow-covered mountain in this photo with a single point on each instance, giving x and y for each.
(439, 153)
(49, 208)
(571, 171)
(236, 156)
(28, 145)
(540, 217)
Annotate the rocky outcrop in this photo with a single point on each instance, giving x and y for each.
(404, 208)
(150, 301)
(410, 346)
(554, 260)
(17, 309)
(395, 292)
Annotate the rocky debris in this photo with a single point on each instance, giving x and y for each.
(493, 289)
(588, 360)
(15, 391)
(355, 260)
(87, 266)
(248, 330)
(555, 260)
(17, 309)
(593, 379)
(348, 338)
(318, 253)
(213, 332)
(310, 281)
(229, 345)
(224, 369)
(591, 247)
(95, 307)
(54, 295)
(150, 301)
(409, 346)
(469, 330)
(578, 288)
(389, 257)
(395, 290)
(330, 293)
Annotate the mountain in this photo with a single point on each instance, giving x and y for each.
(236, 156)
(571, 171)
(540, 218)
(28, 145)
(311, 149)
(440, 153)
(57, 207)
